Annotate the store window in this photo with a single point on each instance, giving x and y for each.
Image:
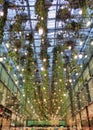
(84, 119)
(78, 121)
(90, 112)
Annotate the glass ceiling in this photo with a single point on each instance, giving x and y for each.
(23, 47)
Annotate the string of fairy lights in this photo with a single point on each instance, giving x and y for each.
(45, 100)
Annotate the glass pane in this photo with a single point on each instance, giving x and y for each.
(4, 76)
(11, 85)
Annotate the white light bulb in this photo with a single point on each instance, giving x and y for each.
(80, 12)
(18, 67)
(91, 43)
(81, 43)
(1, 13)
(16, 82)
(1, 59)
(64, 94)
(40, 31)
(69, 47)
(42, 18)
(15, 49)
(24, 81)
(88, 23)
(44, 60)
(7, 45)
(42, 69)
(75, 57)
(22, 70)
(86, 56)
(70, 80)
(80, 56)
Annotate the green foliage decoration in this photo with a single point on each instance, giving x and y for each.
(59, 79)
(63, 14)
(3, 20)
(41, 13)
(77, 3)
(1, 2)
(17, 25)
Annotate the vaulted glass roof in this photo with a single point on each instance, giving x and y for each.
(45, 45)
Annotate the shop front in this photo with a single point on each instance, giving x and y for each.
(90, 114)
(5, 118)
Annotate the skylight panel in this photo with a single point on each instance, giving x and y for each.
(52, 14)
(51, 24)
